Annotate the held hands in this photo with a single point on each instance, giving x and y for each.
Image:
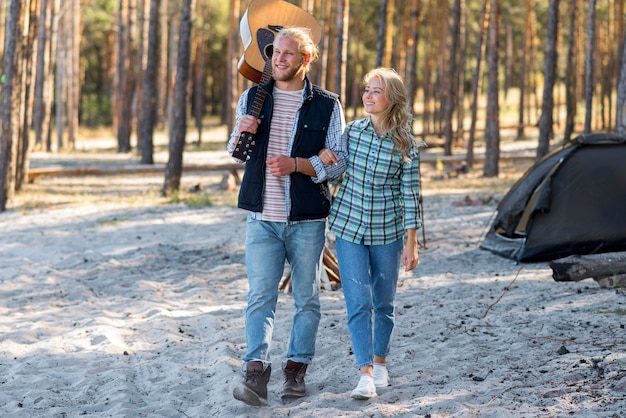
(328, 157)
(281, 165)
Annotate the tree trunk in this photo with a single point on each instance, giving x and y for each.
(620, 117)
(162, 74)
(492, 128)
(579, 267)
(549, 71)
(476, 80)
(200, 76)
(43, 58)
(589, 64)
(412, 53)
(29, 46)
(10, 104)
(526, 39)
(147, 116)
(174, 169)
(452, 76)
(127, 75)
(341, 53)
(382, 30)
(570, 75)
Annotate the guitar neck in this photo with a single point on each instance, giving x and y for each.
(259, 98)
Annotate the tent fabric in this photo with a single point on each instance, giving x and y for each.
(573, 201)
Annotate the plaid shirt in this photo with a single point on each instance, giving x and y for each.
(379, 194)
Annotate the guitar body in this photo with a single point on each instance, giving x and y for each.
(264, 14)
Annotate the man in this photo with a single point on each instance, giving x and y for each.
(284, 189)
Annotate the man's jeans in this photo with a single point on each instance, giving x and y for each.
(369, 275)
(268, 245)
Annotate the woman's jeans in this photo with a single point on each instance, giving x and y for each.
(268, 245)
(369, 275)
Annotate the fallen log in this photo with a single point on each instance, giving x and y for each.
(618, 280)
(578, 267)
(57, 171)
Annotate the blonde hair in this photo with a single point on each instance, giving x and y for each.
(397, 118)
(301, 35)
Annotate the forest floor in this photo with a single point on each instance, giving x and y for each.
(121, 302)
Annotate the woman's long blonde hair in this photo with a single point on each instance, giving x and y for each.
(397, 119)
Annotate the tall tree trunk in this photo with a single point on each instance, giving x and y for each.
(231, 65)
(174, 168)
(416, 6)
(549, 71)
(60, 93)
(10, 104)
(477, 78)
(620, 116)
(523, 72)
(341, 56)
(589, 64)
(450, 92)
(43, 58)
(492, 127)
(29, 46)
(382, 30)
(162, 73)
(127, 75)
(147, 116)
(200, 76)
(571, 70)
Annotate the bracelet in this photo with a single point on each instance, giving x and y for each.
(296, 160)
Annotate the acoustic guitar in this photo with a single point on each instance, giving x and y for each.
(260, 21)
(268, 14)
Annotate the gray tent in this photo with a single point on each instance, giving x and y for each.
(573, 201)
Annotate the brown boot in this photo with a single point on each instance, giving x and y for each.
(294, 379)
(253, 388)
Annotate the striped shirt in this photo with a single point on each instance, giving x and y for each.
(274, 194)
(379, 194)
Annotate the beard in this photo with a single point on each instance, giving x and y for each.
(286, 75)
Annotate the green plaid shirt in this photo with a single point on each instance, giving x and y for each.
(379, 193)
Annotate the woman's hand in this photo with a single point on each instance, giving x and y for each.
(328, 157)
(410, 257)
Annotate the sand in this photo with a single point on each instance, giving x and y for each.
(117, 310)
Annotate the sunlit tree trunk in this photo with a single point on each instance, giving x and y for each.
(549, 71)
(620, 117)
(477, 79)
(523, 68)
(571, 70)
(341, 55)
(415, 12)
(29, 46)
(174, 168)
(492, 127)
(450, 91)
(589, 64)
(147, 115)
(10, 102)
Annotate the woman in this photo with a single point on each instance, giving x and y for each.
(375, 220)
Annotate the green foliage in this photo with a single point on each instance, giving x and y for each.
(95, 110)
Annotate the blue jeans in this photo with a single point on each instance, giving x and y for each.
(268, 245)
(369, 276)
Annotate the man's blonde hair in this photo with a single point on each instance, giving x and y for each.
(302, 36)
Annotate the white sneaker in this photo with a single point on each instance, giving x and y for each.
(365, 389)
(381, 376)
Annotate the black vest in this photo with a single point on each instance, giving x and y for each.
(309, 200)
